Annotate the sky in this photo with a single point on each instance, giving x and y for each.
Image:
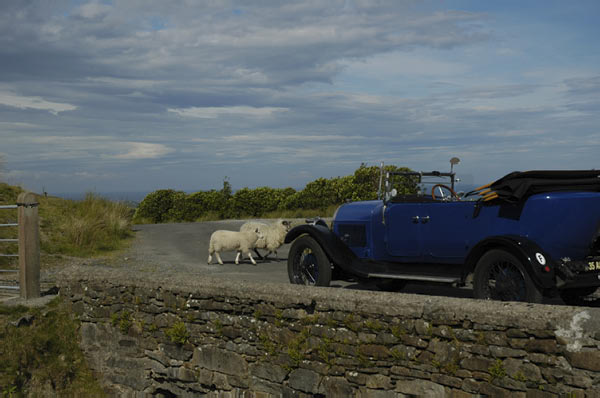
(140, 95)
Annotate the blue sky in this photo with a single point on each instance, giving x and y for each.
(140, 95)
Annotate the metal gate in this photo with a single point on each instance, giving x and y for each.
(29, 246)
(9, 240)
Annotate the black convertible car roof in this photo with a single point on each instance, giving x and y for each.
(517, 185)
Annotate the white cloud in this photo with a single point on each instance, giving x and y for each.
(93, 10)
(143, 150)
(261, 138)
(396, 65)
(124, 83)
(215, 112)
(18, 125)
(22, 102)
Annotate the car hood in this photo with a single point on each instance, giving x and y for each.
(358, 211)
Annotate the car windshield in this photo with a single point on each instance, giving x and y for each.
(421, 186)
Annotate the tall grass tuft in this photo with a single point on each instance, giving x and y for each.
(87, 227)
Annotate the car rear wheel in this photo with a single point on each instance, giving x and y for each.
(579, 296)
(308, 264)
(500, 276)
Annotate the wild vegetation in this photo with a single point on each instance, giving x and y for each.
(75, 228)
(40, 354)
(319, 197)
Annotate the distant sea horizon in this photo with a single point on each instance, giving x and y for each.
(118, 196)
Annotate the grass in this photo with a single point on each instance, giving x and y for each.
(84, 228)
(43, 358)
(89, 227)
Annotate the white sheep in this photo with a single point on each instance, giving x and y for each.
(241, 242)
(274, 235)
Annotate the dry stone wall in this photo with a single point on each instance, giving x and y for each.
(194, 336)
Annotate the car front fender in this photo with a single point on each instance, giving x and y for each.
(336, 250)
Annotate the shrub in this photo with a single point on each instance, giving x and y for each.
(317, 198)
(206, 202)
(160, 206)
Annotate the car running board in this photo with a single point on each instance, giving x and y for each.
(427, 278)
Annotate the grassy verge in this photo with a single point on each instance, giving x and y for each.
(85, 228)
(40, 354)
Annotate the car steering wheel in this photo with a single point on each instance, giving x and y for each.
(441, 188)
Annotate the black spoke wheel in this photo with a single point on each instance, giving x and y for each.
(578, 296)
(500, 276)
(308, 264)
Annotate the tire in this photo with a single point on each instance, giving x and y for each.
(501, 276)
(577, 296)
(308, 264)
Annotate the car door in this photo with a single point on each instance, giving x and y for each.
(446, 236)
(402, 230)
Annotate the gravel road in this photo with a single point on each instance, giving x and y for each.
(184, 248)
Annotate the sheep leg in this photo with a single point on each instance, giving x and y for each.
(209, 258)
(258, 254)
(250, 257)
(237, 257)
(218, 258)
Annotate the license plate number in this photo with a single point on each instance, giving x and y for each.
(594, 266)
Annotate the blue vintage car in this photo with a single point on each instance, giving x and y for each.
(526, 236)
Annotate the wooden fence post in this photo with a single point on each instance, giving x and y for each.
(29, 246)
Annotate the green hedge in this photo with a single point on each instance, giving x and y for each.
(167, 205)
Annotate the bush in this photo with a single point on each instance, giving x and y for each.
(317, 196)
(161, 206)
(256, 202)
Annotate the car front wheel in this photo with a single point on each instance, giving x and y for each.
(308, 264)
(500, 276)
